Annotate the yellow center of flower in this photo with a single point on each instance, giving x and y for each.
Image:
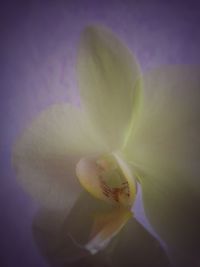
(107, 177)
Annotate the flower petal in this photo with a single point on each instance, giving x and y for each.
(46, 154)
(60, 238)
(165, 151)
(109, 83)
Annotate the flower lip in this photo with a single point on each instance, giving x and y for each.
(107, 177)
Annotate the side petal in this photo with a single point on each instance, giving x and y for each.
(165, 152)
(46, 154)
(109, 83)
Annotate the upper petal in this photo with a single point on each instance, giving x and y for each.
(46, 154)
(109, 83)
(165, 151)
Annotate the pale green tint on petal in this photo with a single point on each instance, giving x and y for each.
(46, 154)
(165, 151)
(109, 83)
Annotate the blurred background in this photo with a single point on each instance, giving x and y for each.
(38, 42)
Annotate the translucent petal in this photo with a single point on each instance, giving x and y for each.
(164, 148)
(46, 154)
(109, 83)
(60, 239)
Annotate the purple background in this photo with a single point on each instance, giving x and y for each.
(38, 49)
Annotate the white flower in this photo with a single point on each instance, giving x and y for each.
(127, 130)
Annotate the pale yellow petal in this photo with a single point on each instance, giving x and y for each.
(46, 154)
(165, 151)
(109, 83)
(167, 131)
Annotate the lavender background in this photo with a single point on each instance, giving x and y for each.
(38, 49)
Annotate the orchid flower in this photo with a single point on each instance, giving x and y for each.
(129, 129)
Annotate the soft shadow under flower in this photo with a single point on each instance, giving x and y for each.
(61, 239)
